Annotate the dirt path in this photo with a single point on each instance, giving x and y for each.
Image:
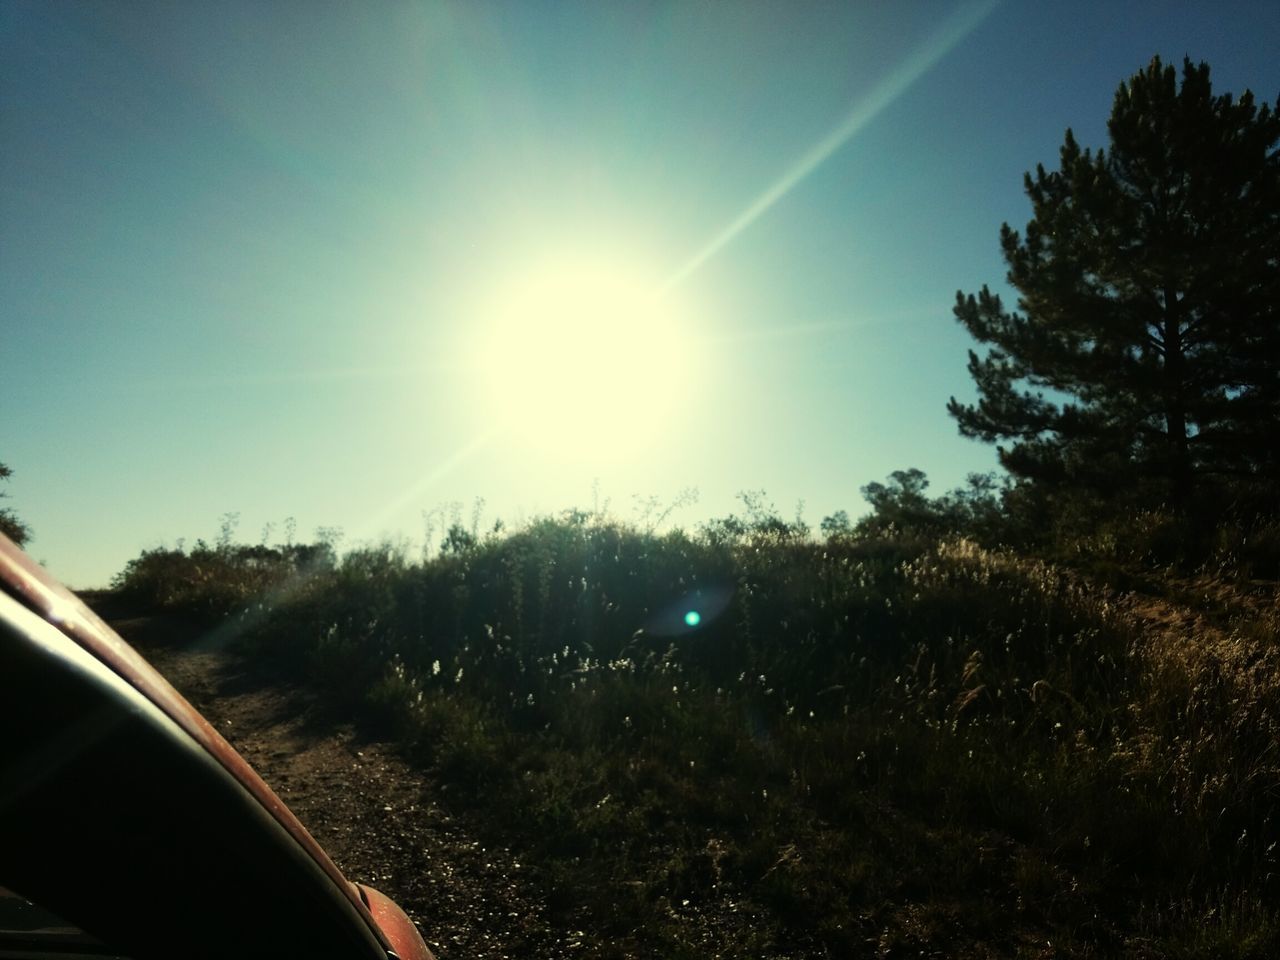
(381, 821)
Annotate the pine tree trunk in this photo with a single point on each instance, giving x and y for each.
(1175, 404)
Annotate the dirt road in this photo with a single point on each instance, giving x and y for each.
(383, 823)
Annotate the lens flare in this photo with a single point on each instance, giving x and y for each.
(698, 608)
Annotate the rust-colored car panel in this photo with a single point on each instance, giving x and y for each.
(27, 583)
(392, 921)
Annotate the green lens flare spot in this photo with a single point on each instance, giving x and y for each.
(693, 618)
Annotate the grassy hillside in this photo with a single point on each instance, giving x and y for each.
(747, 743)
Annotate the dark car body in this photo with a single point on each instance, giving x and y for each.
(127, 816)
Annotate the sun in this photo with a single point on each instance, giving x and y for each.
(582, 358)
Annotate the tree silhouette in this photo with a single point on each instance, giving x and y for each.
(10, 525)
(1142, 355)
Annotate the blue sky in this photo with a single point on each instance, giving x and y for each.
(254, 257)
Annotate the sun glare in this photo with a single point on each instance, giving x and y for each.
(583, 360)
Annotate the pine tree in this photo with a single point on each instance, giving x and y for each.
(1145, 351)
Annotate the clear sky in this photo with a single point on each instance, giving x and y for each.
(347, 262)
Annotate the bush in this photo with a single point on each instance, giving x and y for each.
(211, 583)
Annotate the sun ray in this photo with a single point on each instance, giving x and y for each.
(381, 372)
(952, 31)
(374, 524)
(780, 331)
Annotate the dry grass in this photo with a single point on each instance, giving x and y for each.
(881, 745)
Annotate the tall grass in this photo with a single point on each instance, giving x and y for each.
(866, 744)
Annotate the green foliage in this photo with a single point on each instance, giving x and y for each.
(10, 525)
(904, 739)
(1148, 297)
(211, 583)
(901, 508)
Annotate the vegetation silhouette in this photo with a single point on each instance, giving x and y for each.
(886, 734)
(10, 525)
(1139, 366)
